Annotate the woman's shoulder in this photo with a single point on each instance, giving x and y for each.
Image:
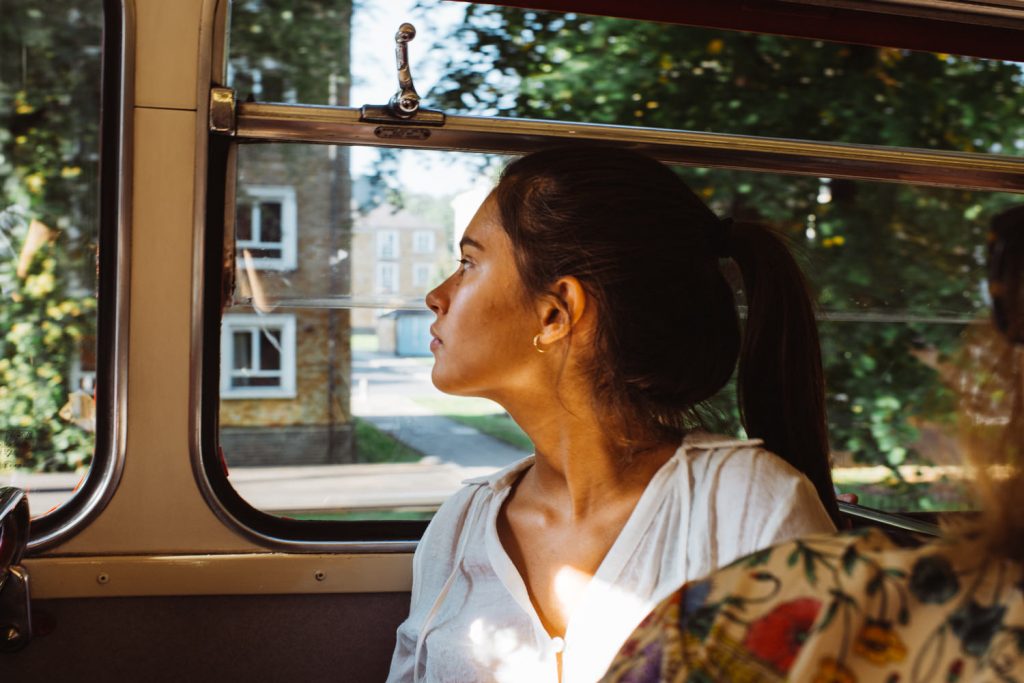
(730, 462)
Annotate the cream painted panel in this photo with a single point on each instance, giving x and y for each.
(158, 507)
(167, 53)
(252, 574)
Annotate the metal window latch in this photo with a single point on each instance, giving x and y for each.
(222, 111)
(404, 107)
(15, 611)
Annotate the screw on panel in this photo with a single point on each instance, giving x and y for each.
(319, 575)
(12, 634)
(103, 578)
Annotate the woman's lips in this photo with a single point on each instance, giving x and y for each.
(435, 341)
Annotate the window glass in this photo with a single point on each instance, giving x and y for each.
(49, 151)
(898, 271)
(508, 61)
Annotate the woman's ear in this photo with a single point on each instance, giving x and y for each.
(561, 310)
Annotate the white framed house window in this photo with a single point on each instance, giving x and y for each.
(387, 278)
(423, 241)
(266, 225)
(387, 245)
(421, 273)
(257, 356)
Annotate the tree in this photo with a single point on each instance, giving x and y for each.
(41, 327)
(49, 131)
(869, 247)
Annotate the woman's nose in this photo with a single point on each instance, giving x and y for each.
(434, 298)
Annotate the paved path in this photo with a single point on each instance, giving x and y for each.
(385, 393)
(438, 438)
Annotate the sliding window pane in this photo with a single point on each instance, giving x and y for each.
(898, 272)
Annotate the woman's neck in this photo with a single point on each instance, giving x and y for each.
(581, 466)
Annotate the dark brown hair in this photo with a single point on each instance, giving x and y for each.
(647, 249)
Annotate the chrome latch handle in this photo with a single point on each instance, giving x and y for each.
(404, 106)
(405, 102)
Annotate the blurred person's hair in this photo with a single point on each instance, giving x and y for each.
(990, 382)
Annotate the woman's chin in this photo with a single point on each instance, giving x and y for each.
(449, 385)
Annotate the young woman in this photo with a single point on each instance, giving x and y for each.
(588, 302)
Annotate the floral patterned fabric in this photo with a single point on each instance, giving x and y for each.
(862, 606)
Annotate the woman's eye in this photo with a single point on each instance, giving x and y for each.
(463, 264)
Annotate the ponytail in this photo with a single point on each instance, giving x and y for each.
(781, 382)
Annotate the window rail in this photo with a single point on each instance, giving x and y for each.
(264, 122)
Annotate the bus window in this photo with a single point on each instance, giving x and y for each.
(50, 69)
(325, 411)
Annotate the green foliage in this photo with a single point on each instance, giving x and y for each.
(297, 48)
(49, 132)
(909, 252)
(40, 330)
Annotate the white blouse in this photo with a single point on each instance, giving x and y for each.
(471, 618)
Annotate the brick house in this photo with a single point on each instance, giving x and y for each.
(285, 370)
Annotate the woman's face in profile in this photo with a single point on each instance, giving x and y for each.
(482, 338)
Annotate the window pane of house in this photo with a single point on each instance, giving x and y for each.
(898, 270)
(264, 253)
(270, 222)
(242, 350)
(49, 190)
(270, 354)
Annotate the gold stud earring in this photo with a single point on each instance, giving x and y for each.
(536, 344)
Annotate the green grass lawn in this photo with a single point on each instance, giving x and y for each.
(374, 446)
(482, 415)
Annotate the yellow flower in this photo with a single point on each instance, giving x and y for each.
(70, 172)
(715, 46)
(21, 140)
(831, 671)
(24, 108)
(35, 182)
(878, 643)
(20, 331)
(40, 285)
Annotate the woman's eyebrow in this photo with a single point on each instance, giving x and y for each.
(470, 242)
